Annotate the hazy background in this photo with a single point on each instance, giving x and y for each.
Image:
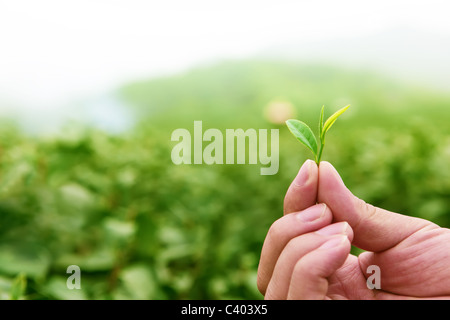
(90, 92)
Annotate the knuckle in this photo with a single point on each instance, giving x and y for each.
(277, 230)
(365, 211)
(293, 244)
(274, 230)
(303, 269)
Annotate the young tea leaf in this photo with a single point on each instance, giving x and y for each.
(303, 133)
(331, 120)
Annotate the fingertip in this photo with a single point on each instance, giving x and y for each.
(314, 213)
(308, 173)
(348, 231)
(302, 193)
(327, 171)
(337, 228)
(331, 186)
(335, 242)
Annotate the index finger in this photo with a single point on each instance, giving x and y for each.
(302, 192)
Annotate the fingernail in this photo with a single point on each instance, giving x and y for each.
(303, 174)
(334, 242)
(332, 229)
(312, 213)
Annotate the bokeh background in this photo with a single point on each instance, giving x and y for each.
(90, 92)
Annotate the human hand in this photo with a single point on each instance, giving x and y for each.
(304, 259)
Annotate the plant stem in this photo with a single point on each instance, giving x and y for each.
(319, 155)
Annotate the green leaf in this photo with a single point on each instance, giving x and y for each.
(331, 120)
(303, 133)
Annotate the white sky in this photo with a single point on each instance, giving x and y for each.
(52, 51)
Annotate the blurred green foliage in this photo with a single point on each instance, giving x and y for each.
(141, 227)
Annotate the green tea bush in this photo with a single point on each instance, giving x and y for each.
(140, 227)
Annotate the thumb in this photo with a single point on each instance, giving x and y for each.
(374, 229)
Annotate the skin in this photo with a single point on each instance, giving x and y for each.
(306, 253)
